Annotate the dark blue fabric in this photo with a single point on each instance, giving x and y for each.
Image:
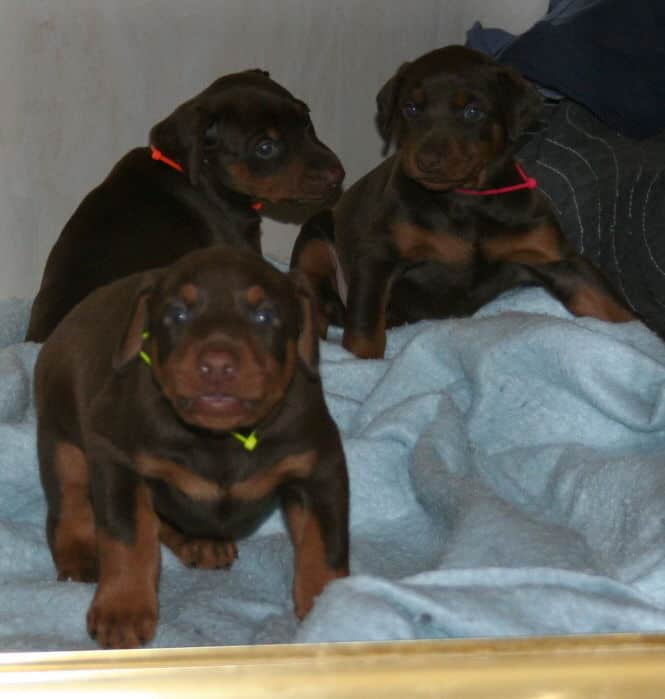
(608, 55)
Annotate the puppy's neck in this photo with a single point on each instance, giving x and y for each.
(524, 182)
(244, 202)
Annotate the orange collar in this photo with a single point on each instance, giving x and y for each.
(158, 155)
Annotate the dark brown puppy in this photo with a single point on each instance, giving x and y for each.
(243, 141)
(179, 405)
(450, 220)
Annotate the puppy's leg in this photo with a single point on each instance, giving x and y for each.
(551, 260)
(317, 516)
(198, 553)
(124, 610)
(70, 526)
(314, 254)
(582, 289)
(365, 323)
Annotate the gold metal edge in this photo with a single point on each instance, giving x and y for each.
(623, 666)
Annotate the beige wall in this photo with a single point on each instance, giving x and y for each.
(81, 82)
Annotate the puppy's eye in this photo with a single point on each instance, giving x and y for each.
(266, 149)
(411, 110)
(211, 135)
(176, 315)
(265, 316)
(473, 113)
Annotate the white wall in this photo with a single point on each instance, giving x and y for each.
(82, 81)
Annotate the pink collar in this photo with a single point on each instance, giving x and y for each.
(158, 155)
(526, 183)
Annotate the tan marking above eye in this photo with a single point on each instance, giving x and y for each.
(460, 99)
(255, 294)
(274, 134)
(418, 95)
(189, 293)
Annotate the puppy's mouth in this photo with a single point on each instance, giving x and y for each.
(320, 197)
(439, 183)
(221, 402)
(217, 410)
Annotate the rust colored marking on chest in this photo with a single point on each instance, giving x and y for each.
(255, 487)
(416, 243)
(180, 477)
(261, 484)
(540, 245)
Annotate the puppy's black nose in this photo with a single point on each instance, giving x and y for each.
(216, 364)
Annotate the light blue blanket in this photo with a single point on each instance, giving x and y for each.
(507, 478)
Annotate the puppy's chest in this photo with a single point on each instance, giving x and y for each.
(463, 245)
(415, 242)
(224, 480)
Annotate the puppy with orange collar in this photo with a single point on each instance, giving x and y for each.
(212, 165)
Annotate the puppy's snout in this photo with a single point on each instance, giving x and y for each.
(326, 177)
(429, 160)
(217, 364)
(333, 176)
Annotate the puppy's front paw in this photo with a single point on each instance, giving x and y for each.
(122, 620)
(365, 347)
(206, 553)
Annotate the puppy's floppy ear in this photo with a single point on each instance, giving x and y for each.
(181, 137)
(308, 339)
(386, 105)
(521, 100)
(137, 319)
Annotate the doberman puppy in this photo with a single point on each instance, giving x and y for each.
(212, 165)
(180, 405)
(451, 219)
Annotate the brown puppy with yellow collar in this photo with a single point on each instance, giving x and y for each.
(181, 405)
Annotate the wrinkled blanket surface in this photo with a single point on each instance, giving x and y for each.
(507, 478)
